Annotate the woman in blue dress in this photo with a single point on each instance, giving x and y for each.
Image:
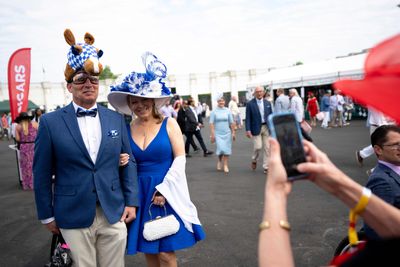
(222, 129)
(158, 147)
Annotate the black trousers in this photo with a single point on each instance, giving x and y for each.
(189, 140)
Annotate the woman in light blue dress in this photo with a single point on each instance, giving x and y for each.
(222, 129)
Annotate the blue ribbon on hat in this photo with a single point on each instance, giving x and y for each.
(143, 83)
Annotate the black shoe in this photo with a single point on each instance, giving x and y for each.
(188, 156)
(208, 152)
(359, 159)
(196, 149)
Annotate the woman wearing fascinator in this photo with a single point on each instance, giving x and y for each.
(157, 145)
(222, 128)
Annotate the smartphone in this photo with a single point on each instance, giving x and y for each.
(285, 128)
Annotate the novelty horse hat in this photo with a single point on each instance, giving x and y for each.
(379, 88)
(82, 56)
(147, 85)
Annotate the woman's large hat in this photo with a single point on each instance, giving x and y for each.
(147, 85)
(23, 116)
(381, 82)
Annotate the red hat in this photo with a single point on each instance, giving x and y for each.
(381, 80)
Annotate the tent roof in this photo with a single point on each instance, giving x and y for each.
(5, 106)
(323, 72)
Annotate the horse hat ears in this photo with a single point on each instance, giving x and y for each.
(82, 56)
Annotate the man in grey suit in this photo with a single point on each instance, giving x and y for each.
(385, 179)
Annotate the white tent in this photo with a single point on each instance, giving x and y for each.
(312, 74)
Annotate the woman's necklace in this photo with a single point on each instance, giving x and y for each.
(143, 127)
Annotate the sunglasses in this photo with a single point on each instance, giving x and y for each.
(393, 146)
(82, 77)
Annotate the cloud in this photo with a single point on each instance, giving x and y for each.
(194, 36)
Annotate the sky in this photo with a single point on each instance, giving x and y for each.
(197, 36)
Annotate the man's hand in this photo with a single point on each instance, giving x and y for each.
(128, 215)
(52, 227)
(248, 134)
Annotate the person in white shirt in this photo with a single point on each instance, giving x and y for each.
(337, 101)
(168, 111)
(296, 105)
(234, 109)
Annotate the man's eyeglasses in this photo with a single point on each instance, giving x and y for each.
(82, 77)
(393, 146)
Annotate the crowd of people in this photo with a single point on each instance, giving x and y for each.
(102, 181)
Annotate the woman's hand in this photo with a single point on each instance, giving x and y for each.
(277, 177)
(320, 169)
(212, 138)
(123, 159)
(158, 199)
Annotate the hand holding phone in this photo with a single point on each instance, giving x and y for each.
(285, 128)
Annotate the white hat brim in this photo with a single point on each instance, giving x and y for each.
(119, 101)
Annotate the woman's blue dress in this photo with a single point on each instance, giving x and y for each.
(153, 164)
(222, 120)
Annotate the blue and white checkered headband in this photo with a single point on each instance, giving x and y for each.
(147, 84)
(76, 61)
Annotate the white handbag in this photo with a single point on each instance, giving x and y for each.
(160, 227)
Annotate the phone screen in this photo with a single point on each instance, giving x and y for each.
(286, 130)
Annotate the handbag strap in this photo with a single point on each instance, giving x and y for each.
(151, 216)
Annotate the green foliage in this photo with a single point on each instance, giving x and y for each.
(107, 74)
(298, 63)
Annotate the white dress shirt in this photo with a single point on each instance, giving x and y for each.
(90, 129)
(296, 106)
(233, 107)
(260, 104)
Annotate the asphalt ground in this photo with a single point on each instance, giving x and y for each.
(229, 206)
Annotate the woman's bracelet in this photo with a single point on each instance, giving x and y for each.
(266, 225)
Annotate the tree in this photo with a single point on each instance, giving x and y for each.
(298, 63)
(107, 74)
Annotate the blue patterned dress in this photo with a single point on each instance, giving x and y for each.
(153, 164)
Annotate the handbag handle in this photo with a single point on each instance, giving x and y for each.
(151, 216)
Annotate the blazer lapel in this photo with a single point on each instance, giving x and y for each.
(70, 120)
(104, 124)
(391, 173)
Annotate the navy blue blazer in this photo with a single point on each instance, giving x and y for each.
(80, 183)
(253, 116)
(384, 183)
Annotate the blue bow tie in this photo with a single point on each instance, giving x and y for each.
(80, 112)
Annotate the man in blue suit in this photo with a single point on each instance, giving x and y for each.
(92, 198)
(257, 111)
(385, 179)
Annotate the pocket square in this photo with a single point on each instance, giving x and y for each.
(113, 133)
